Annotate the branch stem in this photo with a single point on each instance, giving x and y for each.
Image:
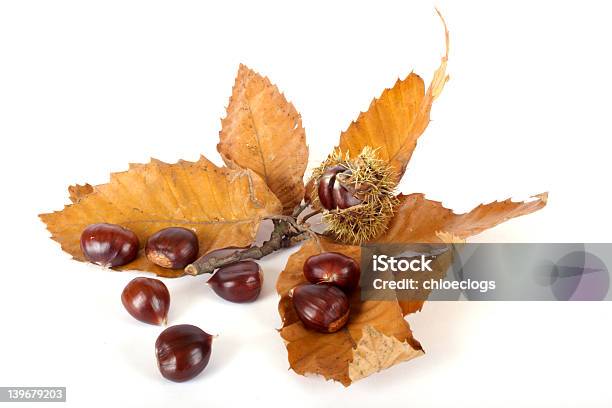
(312, 214)
(286, 233)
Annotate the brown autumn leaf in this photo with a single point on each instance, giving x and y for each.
(222, 206)
(395, 120)
(263, 132)
(419, 220)
(375, 337)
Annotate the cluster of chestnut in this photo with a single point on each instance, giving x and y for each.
(112, 245)
(323, 304)
(182, 351)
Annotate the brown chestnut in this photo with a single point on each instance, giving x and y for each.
(343, 198)
(182, 352)
(332, 192)
(326, 185)
(147, 300)
(109, 245)
(172, 248)
(332, 268)
(240, 282)
(321, 307)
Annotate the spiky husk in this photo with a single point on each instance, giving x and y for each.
(374, 178)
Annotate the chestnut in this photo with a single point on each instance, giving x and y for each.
(325, 186)
(109, 245)
(332, 268)
(343, 198)
(147, 300)
(239, 282)
(322, 308)
(182, 352)
(172, 248)
(332, 193)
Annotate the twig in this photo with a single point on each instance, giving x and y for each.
(286, 233)
(298, 209)
(312, 214)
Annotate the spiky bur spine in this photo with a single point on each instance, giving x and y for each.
(373, 181)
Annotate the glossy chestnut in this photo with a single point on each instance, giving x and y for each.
(172, 248)
(322, 308)
(240, 282)
(325, 186)
(182, 352)
(109, 245)
(333, 268)
(147, 300)
(342, 197)
(333, 194)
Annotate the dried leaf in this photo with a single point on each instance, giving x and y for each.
(395, 120)
(418, 219)
(331, 355)
(263, 132)
(376, 352)
(222, 206)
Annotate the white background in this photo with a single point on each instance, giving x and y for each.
(87, 87)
